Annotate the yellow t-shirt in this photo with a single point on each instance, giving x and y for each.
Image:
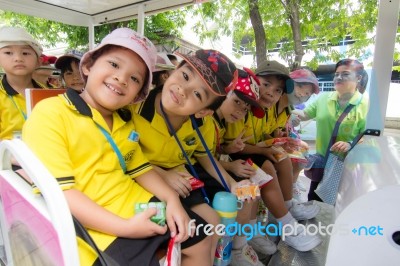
(12, 110)
(63, 134)
(275, 120)
(159, 146)
(252, 126)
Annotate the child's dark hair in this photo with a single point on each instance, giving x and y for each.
(158, 78)
(67, 65)
(217, 103)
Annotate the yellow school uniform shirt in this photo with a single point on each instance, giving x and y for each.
(12, 110)
(276, 121)
(220, 131)
(252, 126)
(62, 132)
(159, 146)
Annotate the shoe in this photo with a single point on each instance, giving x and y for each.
(297, 194)
(245, 257)
(300, 185)
(301, 241)
(263, 245)
(304, 211)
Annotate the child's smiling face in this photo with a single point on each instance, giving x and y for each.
(234, 108)
(114, 80)
(185, 92)
(271, 89)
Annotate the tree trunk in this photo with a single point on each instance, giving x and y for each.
(292, 9)
(259, 32)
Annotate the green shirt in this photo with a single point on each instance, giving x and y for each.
(326, 111)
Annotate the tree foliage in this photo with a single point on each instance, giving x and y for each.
(322, 24)
(50, 32)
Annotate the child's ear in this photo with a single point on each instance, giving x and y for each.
(203, 113)
(164, 76)
(85, 69)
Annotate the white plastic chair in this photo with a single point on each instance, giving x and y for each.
(46, 217)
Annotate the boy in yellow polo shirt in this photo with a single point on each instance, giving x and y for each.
(167, 134)
(87, 141)
(277, 195)
(19, 57)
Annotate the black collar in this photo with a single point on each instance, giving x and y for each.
(84, 109)
(221, 122)
(10, 91)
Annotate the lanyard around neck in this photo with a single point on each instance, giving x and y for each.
(172, 131)
(113, 145)
(23, 114)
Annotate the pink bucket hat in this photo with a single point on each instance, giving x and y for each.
(131, 40)
(305, 75)
(247, 89)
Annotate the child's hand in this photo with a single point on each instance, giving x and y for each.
(241, 168)
(292, 145)
(234, 185)
(294, 120)
(269, 153)
(179, 182)
(178, 221)
(237, 144)
(142, 227)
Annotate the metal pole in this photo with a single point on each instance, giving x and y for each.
(386, 29)
(141, 15)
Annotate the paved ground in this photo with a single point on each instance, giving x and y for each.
(287, 255)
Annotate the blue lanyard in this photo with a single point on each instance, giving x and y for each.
(209, 154)
(18, 107)
(193, 171)
(114, 146)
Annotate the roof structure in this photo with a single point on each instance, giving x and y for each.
(92, 12)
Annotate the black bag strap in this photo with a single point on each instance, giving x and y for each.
(103, 258)
(369, 132)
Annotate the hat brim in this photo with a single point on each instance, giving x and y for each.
(195, 66)
(46, 68)
(162, 67)
(256, 108)
(315, 86)
(270, 73)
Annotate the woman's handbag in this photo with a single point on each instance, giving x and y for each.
(329, 186)
(327, 189)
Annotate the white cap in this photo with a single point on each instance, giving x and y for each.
(18, 36)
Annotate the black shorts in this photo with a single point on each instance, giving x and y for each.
(211, 185)
(128, 251)
(256, 158)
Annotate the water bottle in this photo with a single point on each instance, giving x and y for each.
(226, 205)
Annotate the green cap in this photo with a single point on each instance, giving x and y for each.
(267, 68)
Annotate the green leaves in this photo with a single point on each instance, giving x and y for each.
(51, 33)
(323, 24)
